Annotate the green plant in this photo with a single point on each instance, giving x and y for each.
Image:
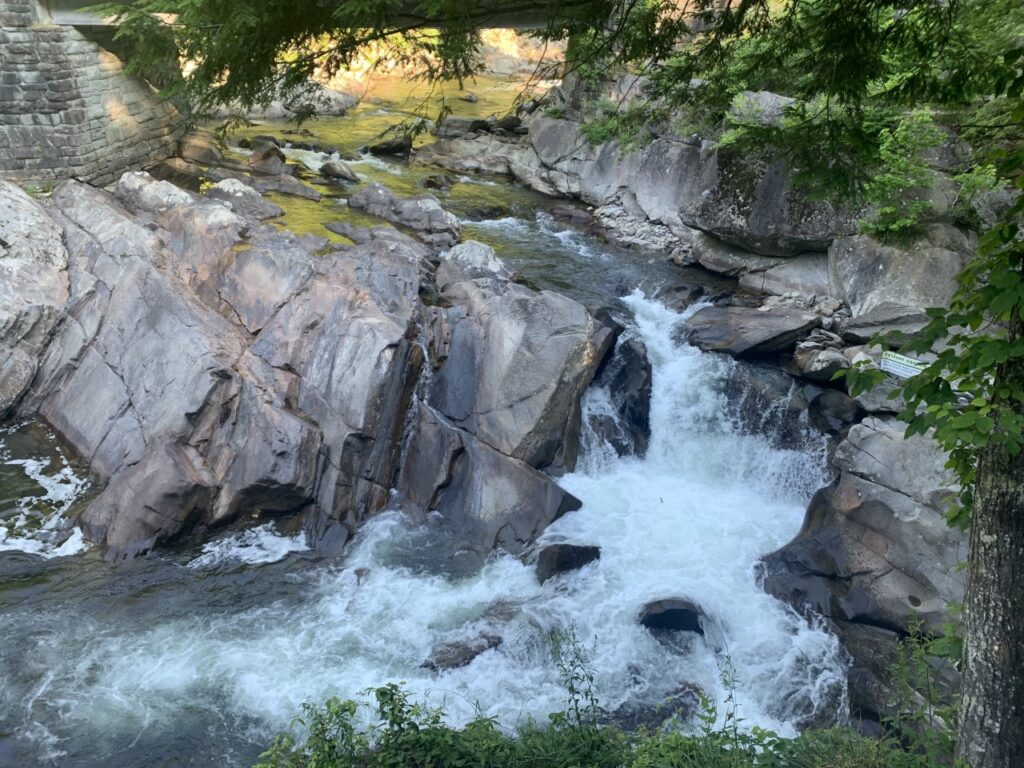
(923, 711)
(898, 192)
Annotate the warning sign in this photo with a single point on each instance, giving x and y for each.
(901, 365)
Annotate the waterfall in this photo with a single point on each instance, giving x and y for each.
(237, 642)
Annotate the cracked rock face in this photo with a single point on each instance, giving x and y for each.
(33, 289)
(208, 368)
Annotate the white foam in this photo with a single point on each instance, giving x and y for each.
(313, 160)
(377, 163)
(39, 525)
(508, 224)
(254, 546)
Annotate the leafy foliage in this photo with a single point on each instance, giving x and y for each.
(403, 734)
(898, 192)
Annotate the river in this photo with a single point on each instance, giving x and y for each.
(197, 657)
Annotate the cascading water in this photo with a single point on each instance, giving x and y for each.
(250, 628)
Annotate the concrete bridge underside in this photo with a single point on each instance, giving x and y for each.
(511, 15)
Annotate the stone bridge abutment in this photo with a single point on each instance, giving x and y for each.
(67, 106)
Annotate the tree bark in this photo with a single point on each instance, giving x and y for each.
(991, 732)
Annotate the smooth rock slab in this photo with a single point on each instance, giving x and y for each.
(747, 332)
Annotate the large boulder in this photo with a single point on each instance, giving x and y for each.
(889, 287)
(275, 379)
(748, 332)
(516, 361)
(875, 555)
(207, 366)
(268, 160)
(33, 289)
(422, 214)
(480, 499)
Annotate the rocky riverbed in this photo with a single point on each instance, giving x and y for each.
(325, 422)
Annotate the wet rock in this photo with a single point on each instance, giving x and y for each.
(400, 146)
(628, 379)
(482, 499)
(747, 332)
(681, 296)
(454, 126)
(33, 290)
(556, 559)
(672, 614)
(763, 400)
(680, 706)
(875, 554)
(438, 181)
(244, 200)
(262, 140)
(422, 214)
(285, 185)
(472, 98)
(268, 160)
(833, 411)
(336, 169)
(180, 173)
(460, 654)
(202, 148)
(176, 487)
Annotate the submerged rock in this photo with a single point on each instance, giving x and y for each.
(628, 379)
(459, 654)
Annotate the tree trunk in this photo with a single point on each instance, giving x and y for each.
(991, 732)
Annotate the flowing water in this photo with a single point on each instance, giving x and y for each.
(199, 657)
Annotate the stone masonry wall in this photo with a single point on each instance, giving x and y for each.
(67, 108)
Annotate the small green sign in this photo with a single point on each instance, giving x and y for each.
(901, 365)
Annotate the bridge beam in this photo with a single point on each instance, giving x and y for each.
(501, 14)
